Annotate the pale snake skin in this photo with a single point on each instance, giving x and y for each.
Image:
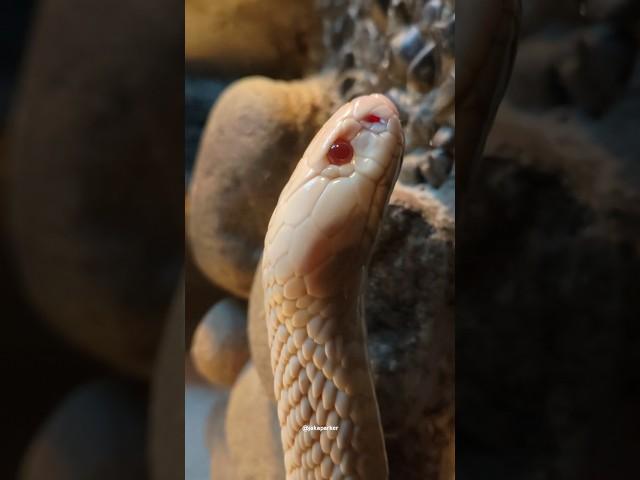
(317, 249)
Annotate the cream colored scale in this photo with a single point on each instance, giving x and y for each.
(317, 249)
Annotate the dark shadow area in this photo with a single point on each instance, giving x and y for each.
(91, 234)
(548, 258)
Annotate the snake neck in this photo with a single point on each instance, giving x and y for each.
(322, 379)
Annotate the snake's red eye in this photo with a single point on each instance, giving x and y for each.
(371, 118)
(340, 152)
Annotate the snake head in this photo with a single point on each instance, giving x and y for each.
(335, 198)
(370, 130)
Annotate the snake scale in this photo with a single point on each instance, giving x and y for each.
(317, 249)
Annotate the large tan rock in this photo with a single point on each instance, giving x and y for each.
(240, 37)
(255, 135)
(221, 466)
(96, 185)
(97, 432)
(219, 348)
(253, 431)
(202, 295)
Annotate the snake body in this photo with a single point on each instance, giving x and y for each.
(317, 250)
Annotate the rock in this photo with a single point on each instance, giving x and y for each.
(407, 44)
(167, 404)
(219, 348)
(572, 213)
(244, 37)
(255, 135)
(410, 171)
(604, 9)
(181, 402)
(540, 13)
(409, 314)
(444, 138)
(97, 432)
(599, 69)
(253, 430)
(535, 83)
(596, 173)
(96, 190)
(200, 93)
(436, 167)
(202, 295)
(424, 68)
(404, 48)
(444, 31)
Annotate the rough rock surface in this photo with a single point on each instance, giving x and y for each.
(200, 93)
(245, 37)
(404, 49)
(219, 348)
(97, 432)
(253, 431)
(409, 316)
(255, 135)
(96, 166)
(587, 66)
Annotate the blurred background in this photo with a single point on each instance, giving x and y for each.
(91, 238)
(547, 256)
(103, 112)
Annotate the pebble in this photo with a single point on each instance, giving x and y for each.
(436, 167)
(255, 135)
(424, 67)
(219, 348)
(407, 44)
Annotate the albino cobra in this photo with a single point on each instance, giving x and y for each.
(316, 254)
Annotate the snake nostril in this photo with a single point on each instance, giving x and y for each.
(340, 152)
(372, 118)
